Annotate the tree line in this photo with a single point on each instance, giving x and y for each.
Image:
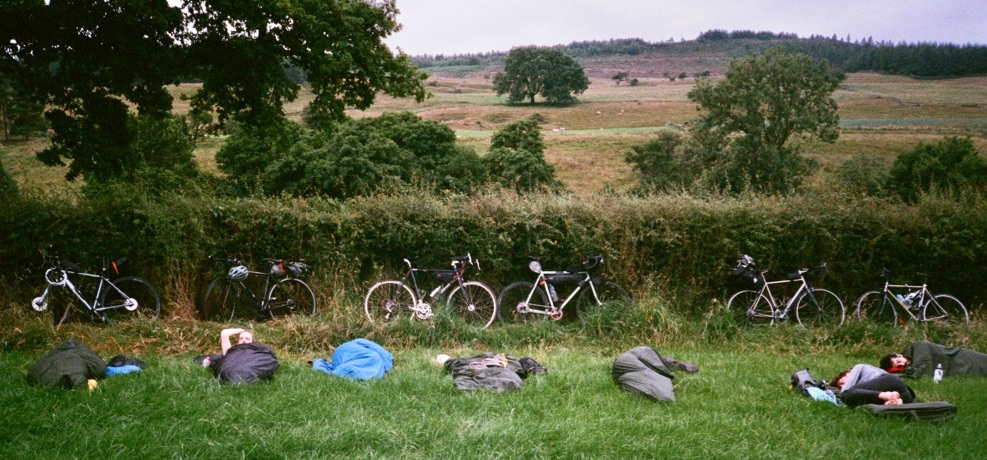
(939, 60)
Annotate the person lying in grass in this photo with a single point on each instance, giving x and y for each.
(921, 358)
(866, 384)
(226, 342)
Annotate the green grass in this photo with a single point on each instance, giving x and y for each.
(737, 406)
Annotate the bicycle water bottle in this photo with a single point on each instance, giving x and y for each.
(551, 291)
(937, 375)
(907, 301)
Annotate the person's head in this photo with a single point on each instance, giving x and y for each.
(245, 337)
(840, 378)
(894, 362)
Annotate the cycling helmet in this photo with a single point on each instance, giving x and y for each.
(277, 270)
(238, 273)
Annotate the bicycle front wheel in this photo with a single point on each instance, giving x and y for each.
(221, 301)
(610, 299)
(827, 310)
(387, 301)
(133, 298)
(291, 297)
(513, 302)
(876, 307)
(945, 308)
(750, 308)
(475, 302)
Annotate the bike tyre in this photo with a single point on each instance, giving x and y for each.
(750, 308)
(291, 296)
(475, 302)
(875, 307)
(612, 297)
(512, 296)
(136, 288)
(830, 311)
(388, 300)
(946, 309)
(221, 300)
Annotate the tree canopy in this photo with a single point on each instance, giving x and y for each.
(532, 71)
(91, 61)
(762, 103)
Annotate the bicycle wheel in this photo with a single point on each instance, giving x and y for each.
(874, 306)
(828, 309)
(221, 301)
(139, 301)
(750, 308)
(475, 302)
(945, 308)
(291, 297)
(514, 298)
(609, 296)
(387, 301)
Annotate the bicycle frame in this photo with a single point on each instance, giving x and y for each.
(778, 313)
(59, 278)
(915, 303)
(422, 309)
(550, 310)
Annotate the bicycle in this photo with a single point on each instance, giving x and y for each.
(812, 306)
(388, 300)
(283, 293)
(524, 300)
(110, 296)
(915, 303)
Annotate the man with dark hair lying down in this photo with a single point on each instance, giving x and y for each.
(866, 384)
(921, 358)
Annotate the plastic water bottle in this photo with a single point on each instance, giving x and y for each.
(905, 300)
(551, 290)
(937, 375)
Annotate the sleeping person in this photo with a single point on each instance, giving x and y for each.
(866, 384)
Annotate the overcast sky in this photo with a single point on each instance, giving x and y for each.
(477, 26)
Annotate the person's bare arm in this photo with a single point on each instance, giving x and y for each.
(224, 337)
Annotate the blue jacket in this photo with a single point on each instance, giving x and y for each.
(358, 359)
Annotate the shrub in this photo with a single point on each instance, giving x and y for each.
(950, 165)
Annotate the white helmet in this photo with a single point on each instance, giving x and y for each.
(238, 273)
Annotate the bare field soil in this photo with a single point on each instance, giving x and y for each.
(587, 141)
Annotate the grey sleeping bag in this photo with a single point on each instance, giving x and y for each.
(490, 371)
(955, 360)
(641, 370)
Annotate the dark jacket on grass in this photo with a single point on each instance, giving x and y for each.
(70, 365)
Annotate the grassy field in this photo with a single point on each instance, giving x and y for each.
(737, 406)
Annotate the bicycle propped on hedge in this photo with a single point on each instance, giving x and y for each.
(282, 293)
(104, 296)
(523, 301)
(900, 303)
(812, 306)
(388, 300)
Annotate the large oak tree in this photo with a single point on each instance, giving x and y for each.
(532, 71)
(92, 61)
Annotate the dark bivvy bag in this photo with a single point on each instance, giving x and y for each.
(247, 363)
(69, 365)
(928, 411)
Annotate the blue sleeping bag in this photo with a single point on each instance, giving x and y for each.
(358, 359)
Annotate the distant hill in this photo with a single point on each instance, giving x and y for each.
(712, 51)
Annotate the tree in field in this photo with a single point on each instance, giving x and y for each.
(93, 61)
(19, 114)
(620, 76)
(950, 165)
(763, 103)
(516, 158)
(533, 71)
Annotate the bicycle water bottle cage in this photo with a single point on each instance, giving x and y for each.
(238, 273)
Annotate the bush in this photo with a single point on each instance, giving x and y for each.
(950, 165)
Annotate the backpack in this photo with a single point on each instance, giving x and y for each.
(802, 380)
